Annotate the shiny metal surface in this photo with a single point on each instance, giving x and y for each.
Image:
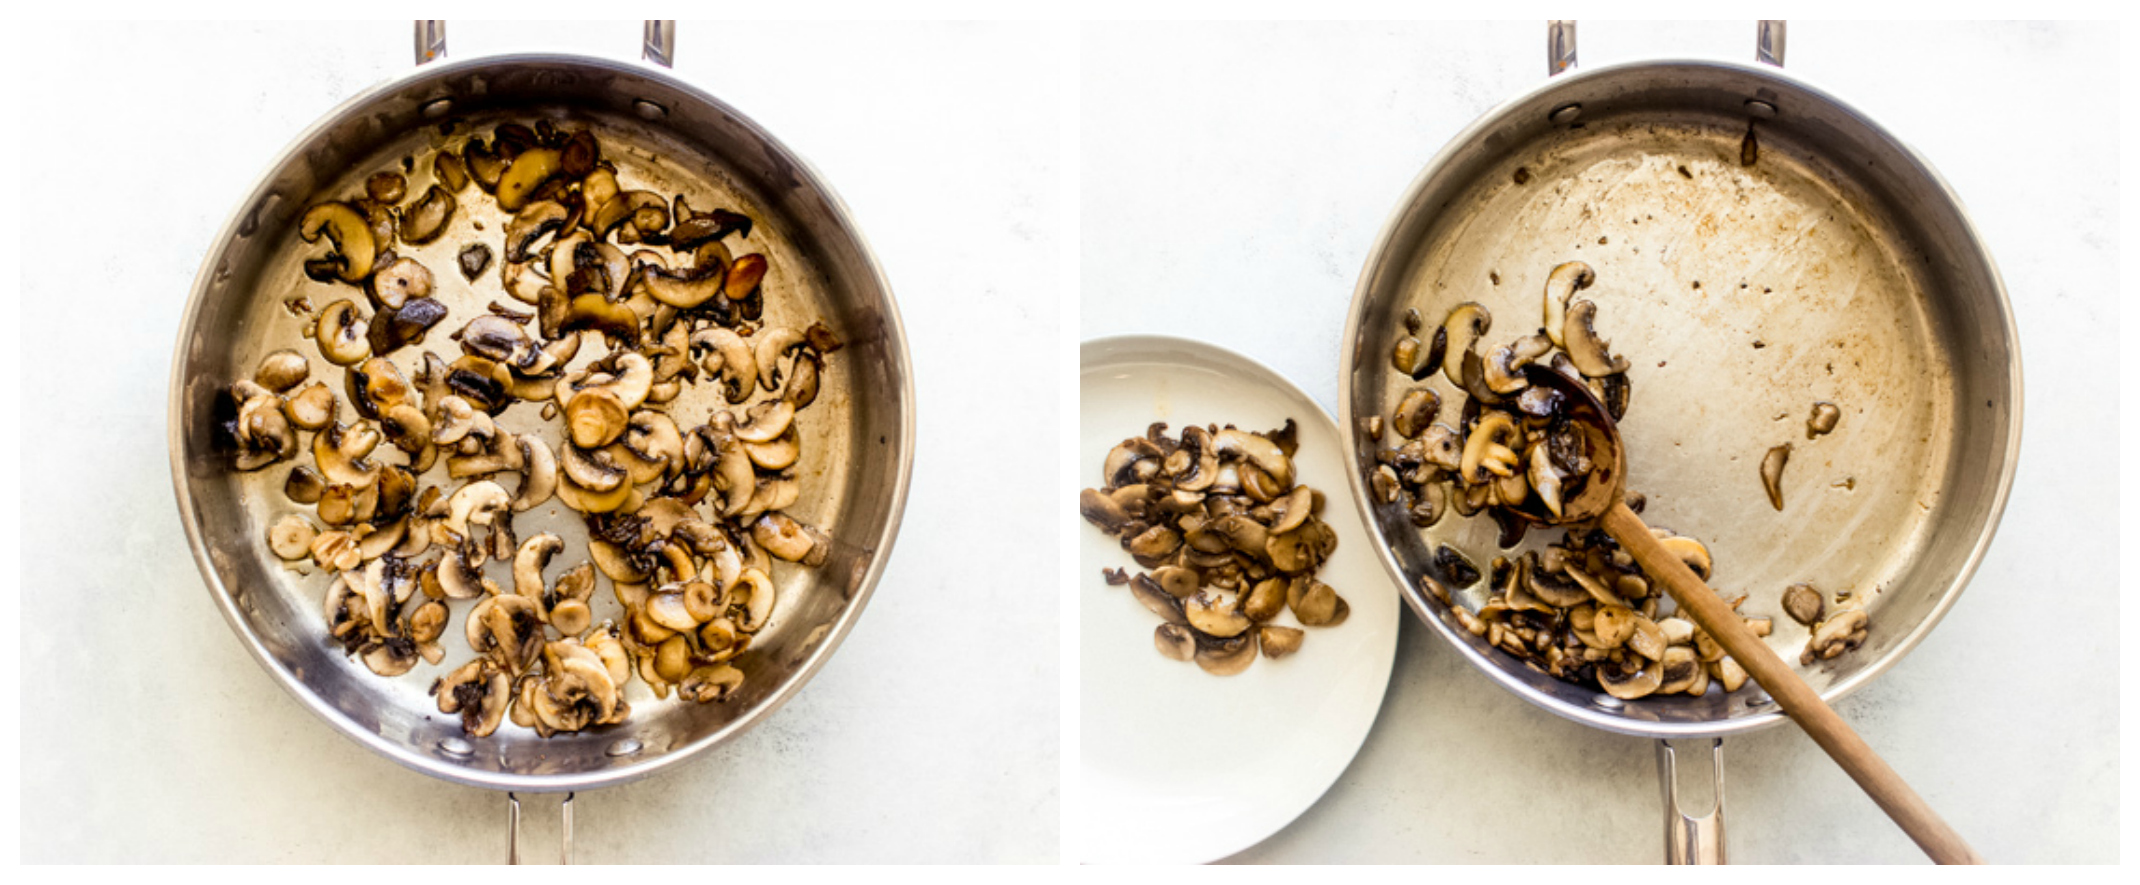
(858, 438)
(512, 829)
(1837, 267)
(1692, 839)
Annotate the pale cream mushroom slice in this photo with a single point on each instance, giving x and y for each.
(759, 598)
(785, 538)
(291, 537)
(1174, 641)
(1215, 613)
(1628, 685)
(1561, 285)
(728, 357)
(528, 563)
(342, 334)
(766, 422)
(282, 370)
(1226, 657)
(714, 682)
(538, 481)
(1465, 325)
(773, 344)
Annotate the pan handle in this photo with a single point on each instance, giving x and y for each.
(1560, 44)
(1687, 839)
(657, 41)
(512, 844)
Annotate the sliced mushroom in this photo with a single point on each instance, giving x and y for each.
(595, 418)
(1842, 632)
(1465, 325)
(282, 370)
(291, 537)
(1628, 685)
(1801, 601)
(529, 225)
(396, 283)
(591, 470)
(1772, 465)
(1157, 599)
(1215, 613)
(1689, 551)
(1561, 285)
(1226, 657)
(1823, 419)
(1278, 642)
(354, 246)
(341, 334)
(728, 357)
(1504, 366)
(1175, 641)
(1415, 412)
(524, 174)
(1316, 604)
(772, 345)
(1591, 354)
(767, 421)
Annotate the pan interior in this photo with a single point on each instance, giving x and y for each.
(852, 438)
(1742, 293)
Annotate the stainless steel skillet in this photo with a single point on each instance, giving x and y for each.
(1759, 246)
(669, 136)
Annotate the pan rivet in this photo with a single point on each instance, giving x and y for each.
(1608, 702)
(1760, 108)
(1566, 113)
(437, 107)
(649, 110)
(625, 747)
(454, 746)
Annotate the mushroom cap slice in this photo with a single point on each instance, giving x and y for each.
(1561, 284)
(714, 682)
(594, 418)
(1801, 601)
(351, 233)
(528, 563)
(1258, 450)
(1215, 613)
(1278, 642)
(539, 482)
(1174, 641)
(1679, 670)
(1591, 354)
(1628, 686)
(1157, 599)
(1465, 325)
(766, 421)
(282, 370)
(343, 336)
(772, 345)
(1226, 657)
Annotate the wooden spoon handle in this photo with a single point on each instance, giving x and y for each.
(1701, 605)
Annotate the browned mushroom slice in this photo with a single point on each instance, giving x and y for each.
(1804, 604)
(1157, 599)
(426, 220)
(1561, 285)
(1465, 325)
(354, 246)
(1591, 354)
(340, 333)
(524, 174)
(1772, 466)
(1823, 419)
(1175, 641)
(1278, 642)
(1226, 657)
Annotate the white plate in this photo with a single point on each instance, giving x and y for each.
(1181, 766)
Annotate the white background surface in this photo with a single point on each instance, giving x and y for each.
(169, 743)
(1235, 176)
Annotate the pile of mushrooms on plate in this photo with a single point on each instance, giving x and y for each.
(413, 489)
(1232, 541)
(1579, 609)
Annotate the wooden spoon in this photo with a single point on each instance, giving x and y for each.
(1603, 501)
